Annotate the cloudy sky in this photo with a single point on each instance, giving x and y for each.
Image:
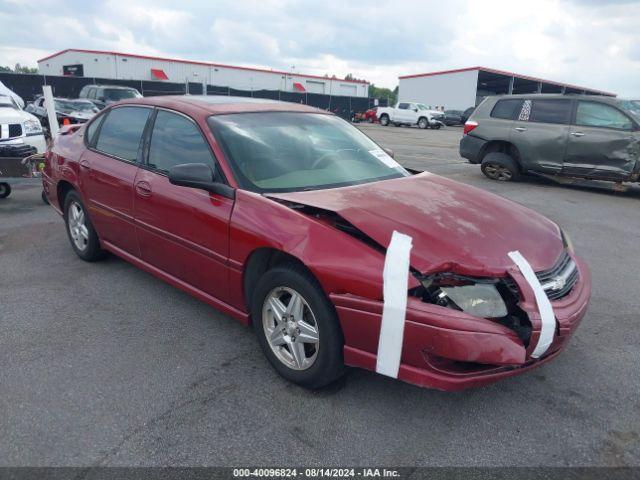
(593, 43)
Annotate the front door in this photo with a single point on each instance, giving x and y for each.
(540, 133)
(602, 144)
(182, 231)
(107, 171)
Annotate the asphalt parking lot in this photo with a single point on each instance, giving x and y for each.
(102, 364)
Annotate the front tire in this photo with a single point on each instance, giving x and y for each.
(82, 236)
(5, 190)
(297, 327)
(423, 123)
(500, 166)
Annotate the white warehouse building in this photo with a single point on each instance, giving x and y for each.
(467, 87)
(124, 66)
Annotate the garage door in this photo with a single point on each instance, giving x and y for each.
(349, 90)
(315, 87)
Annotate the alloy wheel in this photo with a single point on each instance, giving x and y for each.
(76, 220)
(290, 328)
(498, 172)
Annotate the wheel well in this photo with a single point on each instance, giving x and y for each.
(423, 118)
(63, 188)
(502, 147)
(384, 115)
(259, 262)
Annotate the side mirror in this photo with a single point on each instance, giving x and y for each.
(389, 152)
(102, 99)
(415, 110)
(199, 175)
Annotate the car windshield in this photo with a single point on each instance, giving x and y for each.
(422, 106)
(74, 106)
(631, 106)
(116, 94)
(290, 151)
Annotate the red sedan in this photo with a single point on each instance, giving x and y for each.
(292, 220)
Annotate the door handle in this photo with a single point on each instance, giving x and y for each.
(143, 189)
(520, 129)
(577, 134)
(85, 165)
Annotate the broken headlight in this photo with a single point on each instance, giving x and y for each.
(481, 300)
(477, 297)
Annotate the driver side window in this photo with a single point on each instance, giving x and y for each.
(176, 140)
(593, 114)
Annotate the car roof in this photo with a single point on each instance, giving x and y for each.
(220, 104)
(120, 87)
(564, 96)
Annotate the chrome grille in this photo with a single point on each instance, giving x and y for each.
(558, 281)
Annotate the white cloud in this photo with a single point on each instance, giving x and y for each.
(584, 42)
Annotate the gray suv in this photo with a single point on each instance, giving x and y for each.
(103, 95)
(580, 136)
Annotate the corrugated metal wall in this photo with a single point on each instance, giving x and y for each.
(122, 67)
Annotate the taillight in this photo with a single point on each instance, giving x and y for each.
(469, 126)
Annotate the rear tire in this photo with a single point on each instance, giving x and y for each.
(286, 332)
(500, 166)
(384, 120)
(82, 236)
(5, 190)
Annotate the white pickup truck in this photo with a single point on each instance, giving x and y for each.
(410, 113)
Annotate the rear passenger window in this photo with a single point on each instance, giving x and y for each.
(176, 140)
(121, 132)
(550, 111)
(403, 106)
(506, 109)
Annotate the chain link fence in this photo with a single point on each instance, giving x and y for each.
(28, 86)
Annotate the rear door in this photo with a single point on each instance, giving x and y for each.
(107, 171)
(540, 132)
(182, 231)
(601, 143)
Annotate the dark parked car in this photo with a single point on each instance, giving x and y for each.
(68, 111)
(466, 114)
(289, 218)
(452, 117)
(589, 137)
(103, 95)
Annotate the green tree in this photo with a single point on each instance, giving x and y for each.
(20, 69)
(383, 92)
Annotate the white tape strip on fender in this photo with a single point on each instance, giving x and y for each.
(544, 305)
(395, 284)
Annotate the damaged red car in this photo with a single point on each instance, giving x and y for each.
(280, 215)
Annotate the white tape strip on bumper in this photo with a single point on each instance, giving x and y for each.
(395, 285)
(545, 308)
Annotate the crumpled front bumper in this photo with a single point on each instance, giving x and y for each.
(450, 350)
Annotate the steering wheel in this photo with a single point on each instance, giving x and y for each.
(335, 153)
(323, 158)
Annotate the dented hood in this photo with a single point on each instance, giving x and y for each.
(454, 227)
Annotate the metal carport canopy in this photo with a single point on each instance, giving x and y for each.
(497, 75)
